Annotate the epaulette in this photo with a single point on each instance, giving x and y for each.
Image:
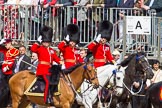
(12, 52)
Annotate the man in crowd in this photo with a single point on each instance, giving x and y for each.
(83, 55)
(157, 73)
(116, 55)
(23, 61)
(34, 62)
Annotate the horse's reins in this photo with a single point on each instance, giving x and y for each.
(72, 86)
(131, 91)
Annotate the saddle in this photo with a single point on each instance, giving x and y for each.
(37, 87)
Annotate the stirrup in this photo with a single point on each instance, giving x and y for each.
(50, 101)
(57, 94)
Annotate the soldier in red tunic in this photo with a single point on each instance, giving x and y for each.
(46, 56)
(68, 46)
(99, 48)
(10, 54)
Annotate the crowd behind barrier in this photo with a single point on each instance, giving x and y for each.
(23, 22)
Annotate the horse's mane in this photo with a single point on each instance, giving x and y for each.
(68, 71)
(127, 60)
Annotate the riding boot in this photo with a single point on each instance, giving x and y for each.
(50, 99)
(56, 91)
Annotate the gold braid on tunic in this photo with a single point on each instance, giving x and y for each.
(9, 54)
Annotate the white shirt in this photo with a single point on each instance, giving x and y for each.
(156, 78)
(18, 64)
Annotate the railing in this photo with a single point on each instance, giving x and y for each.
(23, 23)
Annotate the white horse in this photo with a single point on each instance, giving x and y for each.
(104, 74)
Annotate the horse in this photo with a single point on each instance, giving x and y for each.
(69, 83)
(137, 67)
(154, 96)
(4, 88)
(105, 76)
(4, 92)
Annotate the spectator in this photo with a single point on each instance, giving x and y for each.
(34, 62)
(32, 9)
(10, 54)
(1, 22)
(157, 73)
(109, 4)
(116, 55)
(152, 4)
(10, 14)
(122, 12)
(58, 11)
(83, 55)
(23, 62)
(92, 5)
(156, 5)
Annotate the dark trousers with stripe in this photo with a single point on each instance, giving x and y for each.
(46, 90)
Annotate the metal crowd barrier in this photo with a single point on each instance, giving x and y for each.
(23, 23)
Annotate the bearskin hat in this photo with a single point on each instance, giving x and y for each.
(46, 33)
(73, 31)
(105, 28)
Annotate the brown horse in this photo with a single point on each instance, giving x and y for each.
(22, 80)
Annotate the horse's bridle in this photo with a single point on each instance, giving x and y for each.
(89, 71)
(141, 60)
(113, 86)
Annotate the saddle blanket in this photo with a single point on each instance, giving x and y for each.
(36, 88)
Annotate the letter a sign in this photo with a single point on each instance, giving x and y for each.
(138, 25)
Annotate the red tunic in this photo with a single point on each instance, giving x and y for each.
(45, 57)
(9, 58)
(70, 55)
(101, 53)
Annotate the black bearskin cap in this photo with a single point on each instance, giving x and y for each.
(73, 31)
(105, 28)
(46, 33)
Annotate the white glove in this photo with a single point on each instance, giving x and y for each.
(98, 38)
(5, 69)
(62, 66)
(2, 41)
(67, 38)
(39, 39)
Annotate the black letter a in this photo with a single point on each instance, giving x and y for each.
(138, 25)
